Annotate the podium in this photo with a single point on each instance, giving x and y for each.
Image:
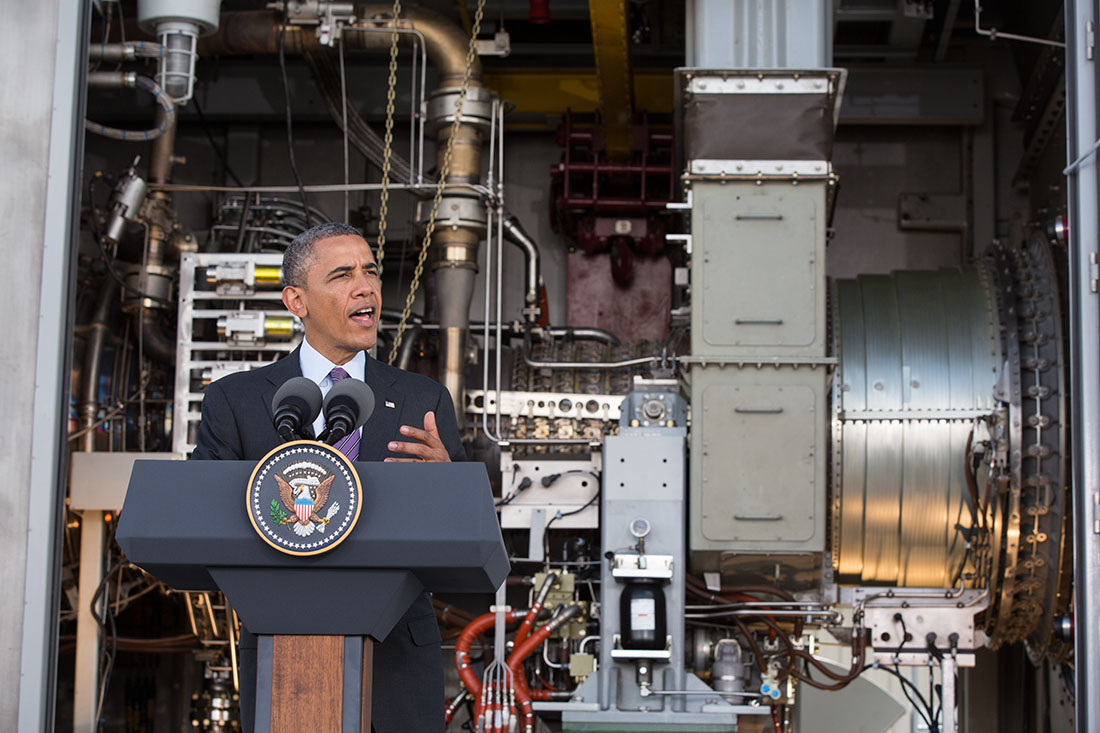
(423, 526)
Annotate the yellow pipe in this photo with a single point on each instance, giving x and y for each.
(550, 92)
(610, 39)
(267, 274)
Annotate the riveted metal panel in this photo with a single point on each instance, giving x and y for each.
(758, 459)
(758, 269)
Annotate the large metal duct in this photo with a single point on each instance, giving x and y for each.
(929, 364)
(462, 216)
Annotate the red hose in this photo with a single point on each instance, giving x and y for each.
(520, 652)
(453, 706)
(528, 622)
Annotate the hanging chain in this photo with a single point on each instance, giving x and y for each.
(391, 95)
(444, 171)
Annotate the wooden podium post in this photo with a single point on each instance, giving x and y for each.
(319, 683)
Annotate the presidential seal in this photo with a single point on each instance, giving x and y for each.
(304, 498)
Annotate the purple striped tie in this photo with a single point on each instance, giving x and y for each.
(349, 444)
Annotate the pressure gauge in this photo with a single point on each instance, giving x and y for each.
(639, 527)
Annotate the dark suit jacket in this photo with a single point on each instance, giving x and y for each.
(237, 425)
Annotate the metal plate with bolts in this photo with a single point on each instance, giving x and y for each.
(544, 404)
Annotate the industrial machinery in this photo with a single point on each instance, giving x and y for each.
(732, 474)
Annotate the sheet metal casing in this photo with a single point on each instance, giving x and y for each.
(759, 382)
(918, 360)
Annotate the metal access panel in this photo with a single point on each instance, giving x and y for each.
(758, 268)
(758, 451)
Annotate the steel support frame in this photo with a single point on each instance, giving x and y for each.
(1084, 188)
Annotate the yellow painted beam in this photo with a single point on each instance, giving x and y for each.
(610, 39)
(551, 92)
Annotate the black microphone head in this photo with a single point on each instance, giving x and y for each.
(350, 398)
(299, 401)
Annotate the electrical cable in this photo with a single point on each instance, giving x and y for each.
(289, 123)
(920, 705)
(525, 484)
(107, 658)
(218, 149)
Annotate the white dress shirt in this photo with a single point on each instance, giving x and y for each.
(316, 367)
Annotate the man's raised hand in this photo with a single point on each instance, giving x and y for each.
(423, 445)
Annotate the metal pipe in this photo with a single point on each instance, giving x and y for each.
(515, 234)
(590, 365)
(256, 32)
(583, 334)
(154, 343)
(408, 345)
(797, 613)
(160, 163)
(647, 692)
(993, 34)
(98, 331)
(129, 51)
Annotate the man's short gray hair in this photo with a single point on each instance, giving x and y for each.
(298, 256)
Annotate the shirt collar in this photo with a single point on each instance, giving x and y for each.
(316, 366)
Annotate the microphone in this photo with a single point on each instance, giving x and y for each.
(296, 405)
(347, 406)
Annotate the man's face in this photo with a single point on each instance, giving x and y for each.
(339, 302)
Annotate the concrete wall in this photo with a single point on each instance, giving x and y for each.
(38, 44)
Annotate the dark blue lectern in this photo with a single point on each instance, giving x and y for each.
(422, 526)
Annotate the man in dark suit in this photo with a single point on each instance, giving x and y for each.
(331, 283)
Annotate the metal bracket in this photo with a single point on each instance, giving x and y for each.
(686, 205)
(642, 566)
(329, 17)
(499, 45)
(538, 532)
(684, 238)
(809, 169)
(619, 653)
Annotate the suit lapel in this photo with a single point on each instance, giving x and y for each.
(382, 426)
